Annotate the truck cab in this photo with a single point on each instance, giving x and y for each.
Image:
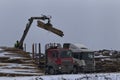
(82, 57)
(58, 59)
(84, 60)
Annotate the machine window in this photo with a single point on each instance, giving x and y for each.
(87, 55)
(55, 54)
(76, 55)
(66, 54)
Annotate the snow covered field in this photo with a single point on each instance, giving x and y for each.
(97, 76)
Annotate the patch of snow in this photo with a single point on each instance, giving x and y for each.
(15, 65)
(1, 49)
(95, 76)
(20, 71)
(2, 54)
(80, 46)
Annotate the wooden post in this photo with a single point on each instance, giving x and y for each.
(35, 54)
(33, 51)
(24, 47)
(35, 48)
(39, 48)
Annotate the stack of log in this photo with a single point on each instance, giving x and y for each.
(107, 62)
(15, 62)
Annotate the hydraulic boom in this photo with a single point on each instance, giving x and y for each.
(46, 26)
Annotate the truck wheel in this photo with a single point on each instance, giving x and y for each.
(46, 70)
(51, 71)
(75, 70)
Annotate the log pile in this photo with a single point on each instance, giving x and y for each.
(107, 61)
(15, 62)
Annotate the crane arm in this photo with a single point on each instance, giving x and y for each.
(47, 26)
(28, 25)
(25, 32)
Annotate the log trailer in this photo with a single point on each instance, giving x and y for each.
(67, 59)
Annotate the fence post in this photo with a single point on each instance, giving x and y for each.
(39, 48)
(33, 51)
(35, 48)
(24, 47)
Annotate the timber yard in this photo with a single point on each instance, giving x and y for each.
(66, 58)
(59, 39)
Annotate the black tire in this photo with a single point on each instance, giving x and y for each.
(46, 70)
(51, 71)
(75, 70)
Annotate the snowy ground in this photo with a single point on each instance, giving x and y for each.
(98, 76)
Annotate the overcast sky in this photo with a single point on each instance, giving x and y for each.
(94, 23)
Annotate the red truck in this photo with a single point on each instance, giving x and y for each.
(58, 60)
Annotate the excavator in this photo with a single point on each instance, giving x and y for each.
(47, 26)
